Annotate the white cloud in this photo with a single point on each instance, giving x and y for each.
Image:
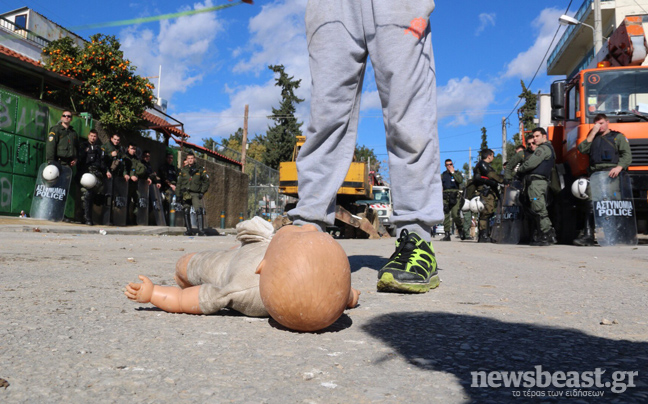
(464, 100)
(485, 19)
(526, 63)
(180, 47)
(278, 36)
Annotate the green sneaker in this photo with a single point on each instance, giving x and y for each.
(412, 268)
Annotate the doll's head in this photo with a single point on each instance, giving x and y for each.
(305, 278)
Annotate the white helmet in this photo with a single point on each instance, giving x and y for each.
(476, 205)
(579, 188)
(88, 181)
(466, 205)
(50, 172)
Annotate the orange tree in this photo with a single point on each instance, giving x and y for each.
(110, 89)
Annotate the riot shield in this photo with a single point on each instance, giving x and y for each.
(142, 203)
(614, 215)
(103, 203)
(50, 196)
(156, 206)
(120, 201)
(509, 218)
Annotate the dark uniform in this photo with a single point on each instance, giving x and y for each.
(537, 168)
(133, 167)
(193, 182)
(168, 174)
(452, 203)
(605, 152)
(91, 160)
(514, 164)
(114, 164)
(486, 180)
(62, 144)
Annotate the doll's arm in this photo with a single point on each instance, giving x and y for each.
(354, 296)
(169, 298)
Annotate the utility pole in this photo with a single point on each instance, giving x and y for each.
(503, 140)
(598, 28)
(469, 162)
(244, 140)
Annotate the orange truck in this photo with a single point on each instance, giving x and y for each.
(617, 87)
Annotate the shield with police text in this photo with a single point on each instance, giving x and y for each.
(103, 203)
(156, 207)
(142, 203)
(120, 201)
(50, 196)
(509, 218)
(614, 214)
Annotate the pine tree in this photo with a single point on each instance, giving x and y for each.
(527, 112)
(281, 138)
(484, 141)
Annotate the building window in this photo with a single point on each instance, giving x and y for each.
(21, 22)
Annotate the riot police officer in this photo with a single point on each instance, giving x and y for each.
(134, 170)
(486, 180)
(608, 150)
(452, 200)
(62, 142)
(193, 182)
(521, 153)
(168, 174)
(92, 166)
(537, 168)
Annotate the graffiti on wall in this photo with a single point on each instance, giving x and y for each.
(6, 112)
(5, 194)
(32, 121)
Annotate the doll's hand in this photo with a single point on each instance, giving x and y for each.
(140, 292)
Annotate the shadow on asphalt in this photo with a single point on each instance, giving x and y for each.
(461, 344)
(370, 261)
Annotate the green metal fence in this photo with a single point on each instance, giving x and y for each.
(24, 123)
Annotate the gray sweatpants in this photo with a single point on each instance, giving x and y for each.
(341, 35)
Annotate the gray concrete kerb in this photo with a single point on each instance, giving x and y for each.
(11, 224)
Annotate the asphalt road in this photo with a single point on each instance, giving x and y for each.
(68, 333)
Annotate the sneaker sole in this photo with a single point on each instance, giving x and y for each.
(387, 283)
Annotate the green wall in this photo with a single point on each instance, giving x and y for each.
(24, 124)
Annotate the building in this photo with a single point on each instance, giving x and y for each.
(575, 49)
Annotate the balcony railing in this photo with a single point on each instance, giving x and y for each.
(9, 26)
(566, 37)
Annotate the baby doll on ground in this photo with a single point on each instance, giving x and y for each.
(212, 280)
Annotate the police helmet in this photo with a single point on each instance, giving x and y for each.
(88, 180)
(579, 188)
(476, 205)
(466, 205)
(50, 172)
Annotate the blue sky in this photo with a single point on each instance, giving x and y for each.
(215, 63)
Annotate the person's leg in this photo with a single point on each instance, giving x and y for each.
(400, 48)
(338, 59)
(455, 213)
(447, 218)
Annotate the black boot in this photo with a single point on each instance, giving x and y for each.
(446, 237)
(543, 240)
(462, 235)
(483, 237)
(586, 239)
(87, 210)
(201, 224)
(187, 217)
